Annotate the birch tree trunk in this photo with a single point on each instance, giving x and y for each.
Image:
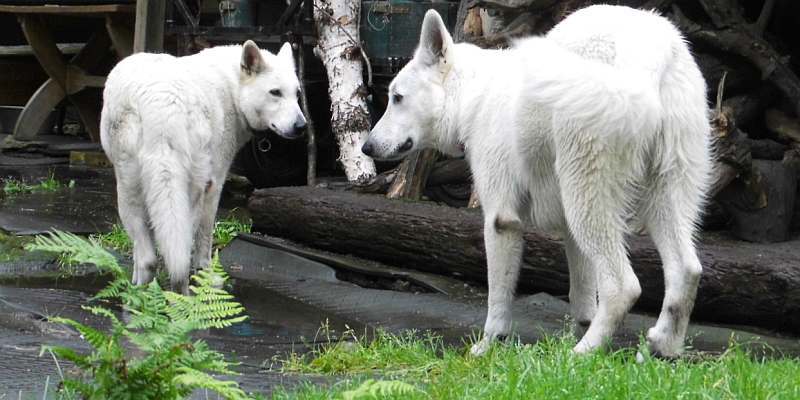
(338, 47)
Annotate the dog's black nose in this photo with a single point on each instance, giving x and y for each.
(300, 125)
(367, 149)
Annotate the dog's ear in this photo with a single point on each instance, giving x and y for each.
(434, 40)
(286, 52)
(252, 60)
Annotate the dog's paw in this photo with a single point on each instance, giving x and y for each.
(482, 347)
(664, 345)
(590, 342)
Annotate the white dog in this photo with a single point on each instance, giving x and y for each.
(171, 126)
(602, 120)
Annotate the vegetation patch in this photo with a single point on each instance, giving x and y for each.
(49, 184)
(414, 366)
(225, 230)
(12, 247)
(150, 353)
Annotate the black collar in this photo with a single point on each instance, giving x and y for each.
(259, 134)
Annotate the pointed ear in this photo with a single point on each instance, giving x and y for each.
(252, 60)
(434, 40)
(286, 52)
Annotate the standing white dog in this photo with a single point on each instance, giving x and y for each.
(171, 127)
(601, 121)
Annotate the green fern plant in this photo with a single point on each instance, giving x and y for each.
(372, 389)
(168, 363)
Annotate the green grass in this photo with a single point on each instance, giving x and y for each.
(225, 230)
(545, 370)
(116, 239)
(49, 184)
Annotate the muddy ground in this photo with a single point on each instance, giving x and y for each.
(287, 294)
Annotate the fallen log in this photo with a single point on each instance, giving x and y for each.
(743, 283)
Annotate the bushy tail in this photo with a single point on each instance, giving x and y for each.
(166, 182)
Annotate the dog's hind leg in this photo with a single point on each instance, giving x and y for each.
(670, 222)
(166, 188)
(674, 197)
(204, 233)
(502, 232)
(582, 283)
(672, 207)
(133, 215)
(594, 194)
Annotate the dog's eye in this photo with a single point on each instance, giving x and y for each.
(397, 98)
(276, 92)
(299, 93)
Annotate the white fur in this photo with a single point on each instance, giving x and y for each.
(602, 120)
(171, 127)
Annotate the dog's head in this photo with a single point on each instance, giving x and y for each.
(269, 90)
(416, 97)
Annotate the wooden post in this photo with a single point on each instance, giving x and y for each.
(149, 30)
(311, 138)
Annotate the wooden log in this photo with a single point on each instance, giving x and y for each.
(771, 222)
(447, 240)
(453, 170)
(766, 149)
(409, 182)
(785, 127)
(732, 34)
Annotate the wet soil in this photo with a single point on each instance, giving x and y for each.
(289, 291)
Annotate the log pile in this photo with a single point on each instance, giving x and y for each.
(449, 240)
(744, 49)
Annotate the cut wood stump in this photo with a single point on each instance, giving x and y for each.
(743, 283)
(409, 182)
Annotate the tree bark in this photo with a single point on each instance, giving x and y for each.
(446, 240)
(339, 48)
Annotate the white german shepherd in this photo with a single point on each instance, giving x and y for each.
(602, 120)
(171, 127)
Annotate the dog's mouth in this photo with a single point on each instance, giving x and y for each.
(402, 151)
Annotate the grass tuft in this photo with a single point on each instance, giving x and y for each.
(226, 229)
(116, 239)
(49, 184)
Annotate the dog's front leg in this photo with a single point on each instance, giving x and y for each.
(503, 237)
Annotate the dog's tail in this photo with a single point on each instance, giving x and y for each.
(166, 183)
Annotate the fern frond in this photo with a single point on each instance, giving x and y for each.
(196, 379)
(103, 312)
(76, 249)
(372, 389)
(96, 338)
(114, 289)
(68, 354)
